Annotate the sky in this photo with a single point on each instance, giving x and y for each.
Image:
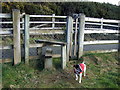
(114, 2)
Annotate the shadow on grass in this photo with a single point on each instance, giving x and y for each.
(57, 63)
(39, 63)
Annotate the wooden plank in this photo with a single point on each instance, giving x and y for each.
(16, 36)
(90, 23)
(47, 28)
(100, 31)
(35, 45)
(81, 35)
(5, 32)
(41, 22)
(60, 16)
(102, 51)
(47, 22)
(38, 26)
(7, 60)
(42, 32)
(30, 46)
(63, 56)
(69, 30)
(4, 15)
(111, 21)
(50, 42)
(6, 47)
(40, 15)
(60, 22)
(92, 19)
(110, 25)
(26, 39)
(48, 16)
(7, 22)
(101, 42)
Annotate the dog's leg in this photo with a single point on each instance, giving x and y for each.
(76, 77)
(80, 77)
(85, 70)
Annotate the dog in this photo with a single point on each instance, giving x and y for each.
(78, 70)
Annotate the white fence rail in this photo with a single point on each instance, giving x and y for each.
(100, 31)
(101, 20)
(101, 42)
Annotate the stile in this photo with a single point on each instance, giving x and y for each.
(16, 36)
(69, 30)
(26, 41)
(81, 35)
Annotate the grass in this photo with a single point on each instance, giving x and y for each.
(102, 72)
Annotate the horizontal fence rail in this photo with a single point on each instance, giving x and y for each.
(100, 31)
(4, 15)
(48, 16)
(101, 20)
(101, 42)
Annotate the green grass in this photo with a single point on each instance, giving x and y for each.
(102, 72)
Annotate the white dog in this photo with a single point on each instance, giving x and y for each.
(79, 69)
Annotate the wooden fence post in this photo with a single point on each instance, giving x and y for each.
(23, 23)
(119, 41)
(75, 37)
(26, 39)
(101, 23)
(16, 36)
(53, 21)
(69, 35)
(81, 35)
(63, 56)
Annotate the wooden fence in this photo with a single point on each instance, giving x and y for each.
(52, 24)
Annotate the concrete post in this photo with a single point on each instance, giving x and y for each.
(48, 59)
